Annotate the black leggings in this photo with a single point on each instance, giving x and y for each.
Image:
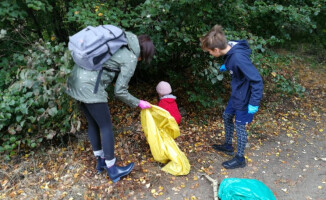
(99, 121)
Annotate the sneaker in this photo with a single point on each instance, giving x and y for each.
(224, 148)
(236, 162)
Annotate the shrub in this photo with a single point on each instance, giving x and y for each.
(35, 106)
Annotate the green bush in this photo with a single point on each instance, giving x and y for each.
(35, 105)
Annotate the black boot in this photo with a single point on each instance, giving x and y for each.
(236, 162)
(228, 149)
(100, 166)
(115, 172)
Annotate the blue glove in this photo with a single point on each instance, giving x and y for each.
(252, 109)
(222, 68)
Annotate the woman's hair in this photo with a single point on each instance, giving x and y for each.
(215, 38)
(147, 49)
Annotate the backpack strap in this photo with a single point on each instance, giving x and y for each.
(130, 49)
(100, 75)
(98, 81)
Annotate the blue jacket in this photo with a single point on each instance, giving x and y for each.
(246, 84)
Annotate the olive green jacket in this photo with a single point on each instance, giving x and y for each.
(81, 83)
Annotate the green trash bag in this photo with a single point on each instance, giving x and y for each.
(244, 189)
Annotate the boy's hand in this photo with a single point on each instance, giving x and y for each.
(252, 109)
(144, 104)
(222, 68)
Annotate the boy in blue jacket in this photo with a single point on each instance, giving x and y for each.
(247, 91)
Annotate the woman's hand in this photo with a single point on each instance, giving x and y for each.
(144, 104)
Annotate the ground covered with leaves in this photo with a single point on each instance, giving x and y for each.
(286, 150)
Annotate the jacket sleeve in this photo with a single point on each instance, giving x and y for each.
(256, 82)
(127, 69)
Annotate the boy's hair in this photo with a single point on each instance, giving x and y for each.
(215, 38)
(147, 49)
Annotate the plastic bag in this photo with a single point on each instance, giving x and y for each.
(161, 129)
(244, 189)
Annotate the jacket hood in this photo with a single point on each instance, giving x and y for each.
(133, 43)
(239, 46)
(168, 96)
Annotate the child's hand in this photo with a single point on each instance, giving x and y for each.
(252, 109)
(144, 104)
(222, 68)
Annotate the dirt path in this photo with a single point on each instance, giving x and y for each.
(286, 151)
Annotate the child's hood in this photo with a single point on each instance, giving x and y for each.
(169, 98)
(239, 46)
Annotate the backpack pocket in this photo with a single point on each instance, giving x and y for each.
(87, 39)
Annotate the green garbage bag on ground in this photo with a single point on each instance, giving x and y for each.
(244, 189)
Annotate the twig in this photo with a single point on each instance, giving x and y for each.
(214, 182)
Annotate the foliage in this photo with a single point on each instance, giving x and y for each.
(277, 69)
(35, 64)
(34, 106)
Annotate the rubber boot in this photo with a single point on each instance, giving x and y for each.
(115, 172)
(100, 166)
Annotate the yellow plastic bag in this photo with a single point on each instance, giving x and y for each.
(161, 129)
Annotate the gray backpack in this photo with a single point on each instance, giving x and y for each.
(93, 46)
